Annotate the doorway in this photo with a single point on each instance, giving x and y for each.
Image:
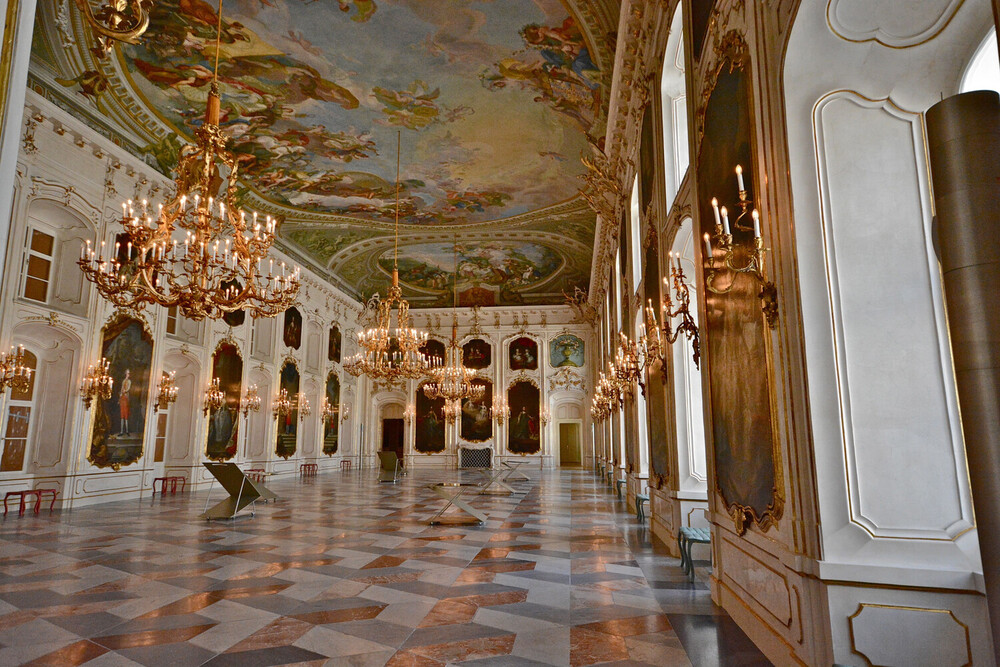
(569, 443)
(392, 436)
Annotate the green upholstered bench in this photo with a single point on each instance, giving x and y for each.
(618, 487)
(685, 538)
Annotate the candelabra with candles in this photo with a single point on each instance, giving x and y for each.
(500, 410)
(215, 398)
(329, 411)
(754, 265)
(627, 367)
(452, 411)
(282, 405)
(166, 391)
(545, 416)
(14, 372)
(304, 408)
(345, 412)
(410, 413)
(97, 383)
(660, 335)
(250, 402)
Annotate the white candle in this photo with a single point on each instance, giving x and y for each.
(756, 223)
(725, 220)
(715, 209)
(739, 177)
(708, 247)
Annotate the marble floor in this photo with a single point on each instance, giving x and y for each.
(345, 571)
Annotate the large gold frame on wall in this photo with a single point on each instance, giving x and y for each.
(230, 341)
(732, 55)
(97, 446)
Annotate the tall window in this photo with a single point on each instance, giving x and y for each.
(17, 428)
(161, 437)
(38, 265)
(635, 229)
(172, 320)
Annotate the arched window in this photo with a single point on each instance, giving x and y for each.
(983, 72)
(673, 96)
(17, 430)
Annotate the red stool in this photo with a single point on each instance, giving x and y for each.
(37, 493)
(345, 464)
(172, 481)
(308, 469)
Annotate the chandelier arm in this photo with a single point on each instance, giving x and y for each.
(112, 21)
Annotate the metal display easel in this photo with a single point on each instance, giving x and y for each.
(453, 494)
(492, 476)
(513, 470)
(242, 492)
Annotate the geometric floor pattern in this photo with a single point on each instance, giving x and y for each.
(345, 571)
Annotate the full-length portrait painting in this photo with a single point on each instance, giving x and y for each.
(334, 344)
(223, 422)
(331, 423)
(429, 423)
(477, 418)
(524, 425)
(746, 466)
(120, 421)
(566, 350)
(291, 334)
(656, 395)
(477, 354)
(523, 354)
(288, 424)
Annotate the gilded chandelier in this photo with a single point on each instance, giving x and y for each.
(500, 410)
(304, 408)
(754, 265)
(97, 383)
(282, 404)
(452, 411)
(655, 343)
(215, 398)
(388, 353)
(452, 381)
(14, 373)
(166, 391)
(328, 411)
(198, 251)
(250, 402)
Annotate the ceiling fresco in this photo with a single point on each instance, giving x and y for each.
(494, 103)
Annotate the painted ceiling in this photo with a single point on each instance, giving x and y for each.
(493, 103)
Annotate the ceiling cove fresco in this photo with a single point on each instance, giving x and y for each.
(495, 102)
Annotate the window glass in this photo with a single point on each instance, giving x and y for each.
(15, 438)
(39, 266)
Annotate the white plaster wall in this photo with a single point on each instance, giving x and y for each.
(891, 473)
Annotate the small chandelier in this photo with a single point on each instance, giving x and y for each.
(410, 413)
(250, 402)
(627, 367)
(660, 336)
(545, 416)
(304, 408)
(214, 397)
(97, 383)
(500, 410)
(166, 391)
(345, 412)
(452, 381)
(282, 404)
(329, 411)
(452, 411)
(218, 265)
(14, 373)
(117, 20)
(754, 266)
(388, 353)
